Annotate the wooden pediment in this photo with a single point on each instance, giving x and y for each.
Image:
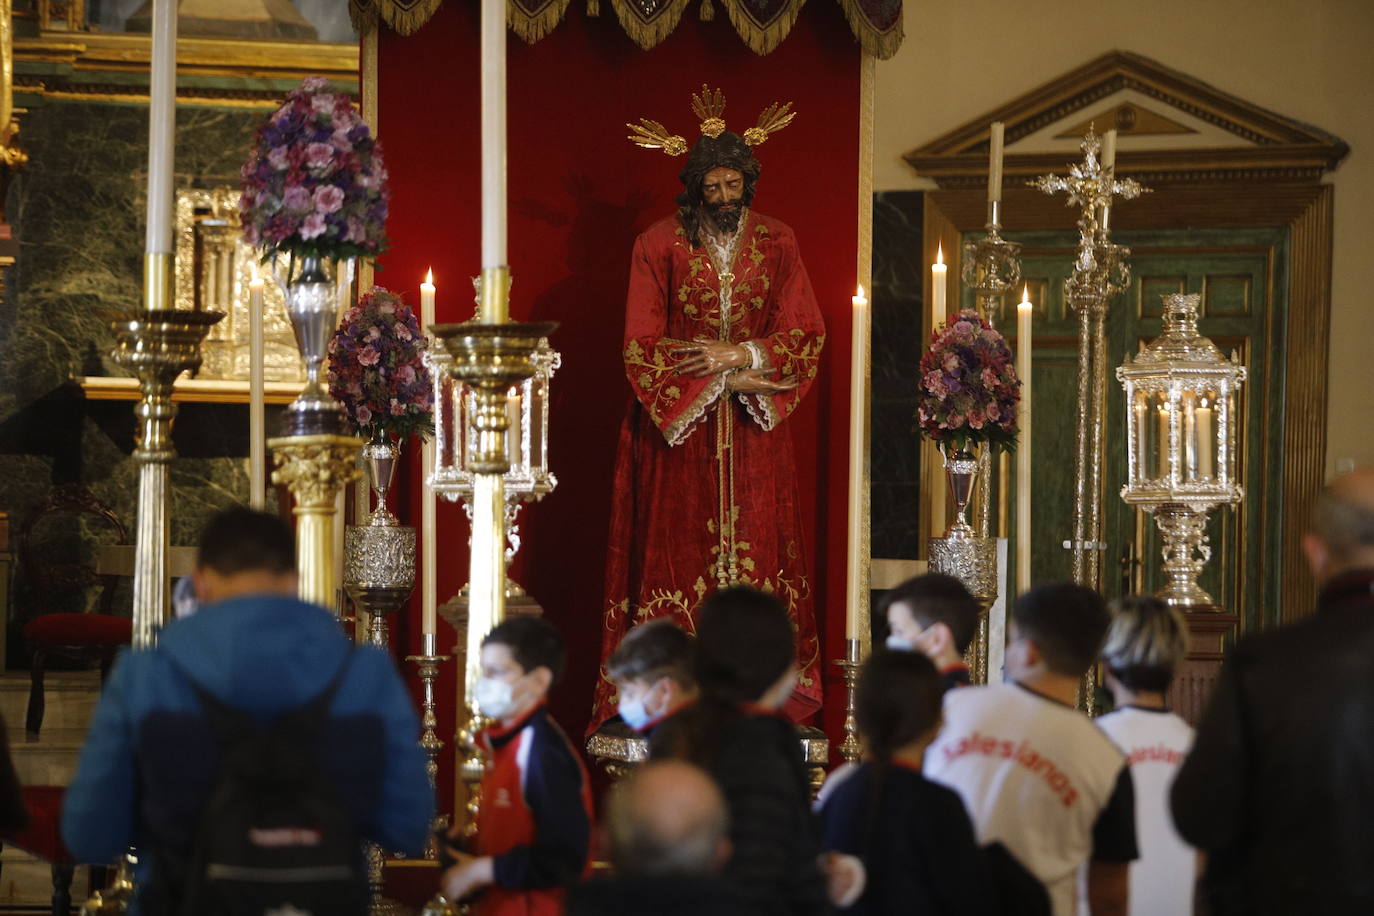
(1171, 129)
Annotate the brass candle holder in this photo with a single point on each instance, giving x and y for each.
(314, 468)
(490, 359)
(427, 662)
(156, 346)
(850, 749)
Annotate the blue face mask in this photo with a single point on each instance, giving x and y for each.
(634, 713)
(898, 644)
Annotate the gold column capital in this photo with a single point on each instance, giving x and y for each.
(314, 467)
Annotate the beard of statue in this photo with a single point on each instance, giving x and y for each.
(725, 216)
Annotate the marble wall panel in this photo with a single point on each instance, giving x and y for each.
(897, 343)
(77, 211)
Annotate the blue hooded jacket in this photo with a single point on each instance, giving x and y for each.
(150, 758)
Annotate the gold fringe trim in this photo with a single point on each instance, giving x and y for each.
(707, 11)
(533, 28)
(593, 8)
(405, 19)
(762, 40)
(882, 45)
(648, 34)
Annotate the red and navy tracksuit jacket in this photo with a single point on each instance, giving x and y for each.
(535, 819)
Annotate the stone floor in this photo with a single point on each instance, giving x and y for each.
(50, 759)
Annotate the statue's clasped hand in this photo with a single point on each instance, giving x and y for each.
(711, 357)
(756, 381)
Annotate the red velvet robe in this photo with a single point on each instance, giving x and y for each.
(705, 482)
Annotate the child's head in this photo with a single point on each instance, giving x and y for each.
(934, 614)
(897, 702)
(652, 667)
(745, 648)
(1146, 641)
(1056, 629)
(521, 659)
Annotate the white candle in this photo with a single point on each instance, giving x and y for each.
(1202, 425)
(1142, 439)
(1189, 438)
(162, 115)
(1164, 445)
(937, 288)
(937, 316)
(493, 50)
(1109, 151)
(856, 604)
(427, 302)
(514, 425)
(995, 162)
(257, 435)
(428, 583)
(1024, 349)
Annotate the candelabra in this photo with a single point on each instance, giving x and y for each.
(490, 359)
(992, 267)
(428, 662)
(1100, 272)
(156, 346)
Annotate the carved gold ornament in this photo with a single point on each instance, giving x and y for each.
(709, 106)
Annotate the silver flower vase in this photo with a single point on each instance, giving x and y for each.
(961, 471)
(314, 293)
(965, 556)
(379, 457)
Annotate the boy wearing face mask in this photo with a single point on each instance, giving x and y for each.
(534, 826)
(935, 615)
(652, 669)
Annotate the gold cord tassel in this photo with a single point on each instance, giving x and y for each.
(593, 7)
(708, 12)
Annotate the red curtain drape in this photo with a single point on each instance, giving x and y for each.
(579, 193)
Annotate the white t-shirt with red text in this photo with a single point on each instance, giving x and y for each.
(1155, 741)
(1036, 776)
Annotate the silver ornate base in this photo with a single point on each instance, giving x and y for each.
(973, 561)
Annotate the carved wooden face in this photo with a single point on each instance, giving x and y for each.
(722, 186)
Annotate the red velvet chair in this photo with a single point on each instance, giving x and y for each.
(67, 575)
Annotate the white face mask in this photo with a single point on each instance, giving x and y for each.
(495, 698)
(899, 644)
(633, 712)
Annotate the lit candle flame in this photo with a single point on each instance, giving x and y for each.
(429, 277)
(939, 254)
(1025, 302)
(860, 294)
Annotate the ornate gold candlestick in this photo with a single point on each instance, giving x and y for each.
(490, 359)
(428, 664)
(850, 749)
(156, 346)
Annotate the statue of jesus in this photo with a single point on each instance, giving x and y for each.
(722, 341)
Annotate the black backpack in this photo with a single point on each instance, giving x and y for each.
(273, 834)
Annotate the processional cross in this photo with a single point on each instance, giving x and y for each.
(1100, 271)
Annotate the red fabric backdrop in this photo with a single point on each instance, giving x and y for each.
(579, 193)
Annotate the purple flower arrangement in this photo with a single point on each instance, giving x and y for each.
(314, 183)
(377, 369)
(969, 391)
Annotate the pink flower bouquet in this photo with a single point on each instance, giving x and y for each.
(377, 369)
(314, 182)
(969, 391)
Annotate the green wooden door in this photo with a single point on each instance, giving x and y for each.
(1241, 276)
